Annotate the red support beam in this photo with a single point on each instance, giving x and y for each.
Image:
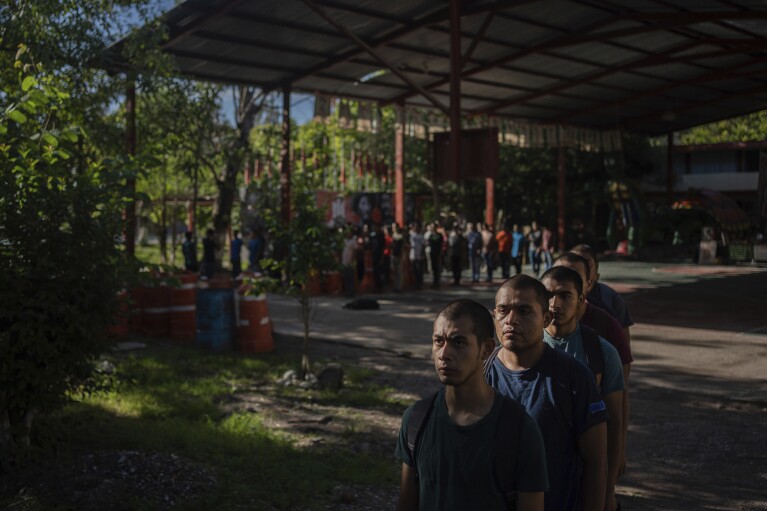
(285, 154)
(490, 201)
(455, 88)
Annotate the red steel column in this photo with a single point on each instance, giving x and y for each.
(561, 172)
(130, 148)
(285, 153)
(490, 201)
(455, 89)
(399, 170)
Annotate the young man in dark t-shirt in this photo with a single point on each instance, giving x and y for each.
(453, 464)
(557, 391)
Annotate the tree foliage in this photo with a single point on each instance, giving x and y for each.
(61, 266)
(747, 128)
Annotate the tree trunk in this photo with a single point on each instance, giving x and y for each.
(227, 184)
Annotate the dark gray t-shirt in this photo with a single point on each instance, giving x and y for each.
(455, 463)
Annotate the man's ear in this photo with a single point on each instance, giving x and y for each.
(581, 299)
(548, 317)
(487, 347)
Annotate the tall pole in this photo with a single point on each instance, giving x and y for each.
(285, 153)
(399, 169)
(455, 89)
(130, 148)
(561, 173)
(490, 201)
(670, 167)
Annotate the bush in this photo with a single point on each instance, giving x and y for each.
(60, 261)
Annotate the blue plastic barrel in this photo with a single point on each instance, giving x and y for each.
(215, 318)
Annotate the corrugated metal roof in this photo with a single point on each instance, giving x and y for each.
(646, 66)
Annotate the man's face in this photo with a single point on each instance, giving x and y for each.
(519, 319)
(593, 275)
(582, 271)
(455, 350)
(563, 303)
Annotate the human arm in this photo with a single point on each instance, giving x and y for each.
(626, 406)
(530, 501)
(614, 403)
(408, 490)
(592, 447)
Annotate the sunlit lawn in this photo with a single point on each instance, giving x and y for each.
(165, 399)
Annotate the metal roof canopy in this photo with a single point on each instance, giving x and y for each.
(646, 66)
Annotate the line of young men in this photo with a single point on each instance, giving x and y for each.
(560, 410)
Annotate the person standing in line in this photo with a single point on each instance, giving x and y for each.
(386, 262)
(567, 334)
(255, 250)
(534, 248)
(377, 246)
(456, 249)
(348, 259)
(209, 246)
(397, 251)
(427, 248)
(474, 251)
(435, 242)
(417, 255)
(517, 248)
(235, 247)
(457, 459)
(602, 295)
(189, 249)
(558, 392)
(489, 250)
(547, 247)
(504, 250)
(362, 247)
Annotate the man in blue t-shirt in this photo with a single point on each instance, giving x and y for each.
(234, 254)
(517, 248)
(453, 464)
(557, 391)
(565, 287)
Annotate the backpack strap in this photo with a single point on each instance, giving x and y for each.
(489, 361)
(507, 433)
(593, 349)
(415, 423)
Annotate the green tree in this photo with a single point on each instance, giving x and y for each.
(306, 248)
(60, 264)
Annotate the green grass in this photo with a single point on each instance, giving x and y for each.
(164, 399)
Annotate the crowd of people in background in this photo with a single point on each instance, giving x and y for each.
(438, 251)
(392, 254)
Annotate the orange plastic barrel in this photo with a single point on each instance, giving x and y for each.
(183, 301)
(333, 283)
(254, 327)
(314, 285)
(155, 311)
